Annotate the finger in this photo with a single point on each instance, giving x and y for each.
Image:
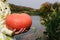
(19, 31)
(23, 29)
(14, 30)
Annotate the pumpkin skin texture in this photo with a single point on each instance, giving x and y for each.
(18, 21)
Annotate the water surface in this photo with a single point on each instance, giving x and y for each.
(35, 31)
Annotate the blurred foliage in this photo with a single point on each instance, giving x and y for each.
(50, 17)
(23, 9)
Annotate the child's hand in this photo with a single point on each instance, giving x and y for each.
(23, 30)
(18, 32)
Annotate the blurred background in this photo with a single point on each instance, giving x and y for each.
(38, 9)
(36, 4)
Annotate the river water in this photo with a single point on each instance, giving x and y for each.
(35, 31)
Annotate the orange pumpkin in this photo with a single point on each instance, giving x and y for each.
(18, 21)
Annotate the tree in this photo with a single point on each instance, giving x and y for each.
(50, 17)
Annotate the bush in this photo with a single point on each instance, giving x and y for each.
(50, 17)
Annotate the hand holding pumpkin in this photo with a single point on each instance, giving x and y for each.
(18, 23)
